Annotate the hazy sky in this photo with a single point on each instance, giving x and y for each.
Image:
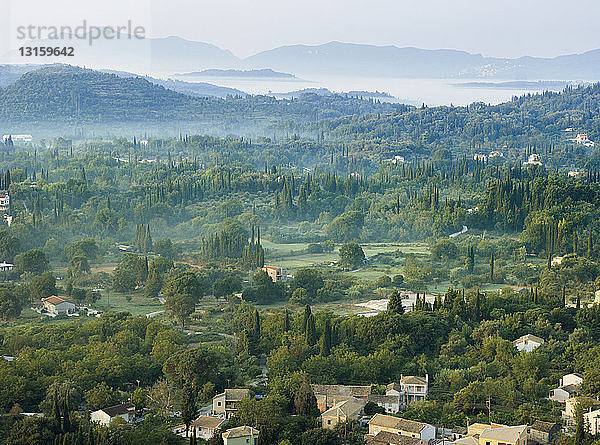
(492, 27)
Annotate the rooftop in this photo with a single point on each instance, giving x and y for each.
(347, 408)
(387, 438)
(529, 337)
(341, 390)
(510, 434)
(413, 380)
(240, 431)
(208, 422)
(117, 410)
(397, 422)
(546, 427)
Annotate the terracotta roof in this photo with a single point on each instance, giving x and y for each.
(342, 390)
(117, 410)
(240, 431)
(546, 427)
(208, 422)
(468, 440)
(397, 423)
(571, 389)
(387, 438)
(55, 300)
(394, 386)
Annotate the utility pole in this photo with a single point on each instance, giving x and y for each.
(489, 407)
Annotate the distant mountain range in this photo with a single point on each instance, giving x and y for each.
(169, 55)
(265, 73)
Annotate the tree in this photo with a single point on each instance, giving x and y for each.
(492, 267)
(326, 340)
(123, 277)
(33, 261)
(444, 249)
(320, 436)
(188, 404)
(11, 303)
(42, 286)
(310, 335)
(305, 401)
(101, 396)
(182, 292)
(352, 256)
(165, 248)
(346, 227)
(395, 303)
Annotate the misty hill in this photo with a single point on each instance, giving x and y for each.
(253, 74)
(64, 93)
(348, 59)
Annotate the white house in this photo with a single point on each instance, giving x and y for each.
(534, 159)
(404, 427)
(56, 305)
(104, 416)
(592, 418)
(410, 389)
(5, 267)
(569, 385)
(205, 427)
(528, 342)
(4, 201)
(18, 137)
(225, 404)
(391, 403)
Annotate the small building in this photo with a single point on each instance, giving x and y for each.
(6, 267)
(528, 342)
(480, 157)
(410, 389)
(276, 273)
(533, 159)
(205, 427)
(56, 305)
(592, 418)
(387, 438)
(4, 201)
(582, 138)
(342, 412)
(404, 427)
(106, 415)
(496, 154)
(507, 435)
(568, 388)
(225, 404)
(543, 433)
(242, 435)
(391, 404)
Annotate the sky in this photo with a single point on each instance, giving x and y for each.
(500, 28)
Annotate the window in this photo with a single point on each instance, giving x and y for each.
(218, 403)
(328, 421)
(247, 440)
(488, 443)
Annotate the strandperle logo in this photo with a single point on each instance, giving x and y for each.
(84, 32)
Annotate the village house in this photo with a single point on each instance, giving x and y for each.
(458, 432)
(328, 395)
(543, 433)
(4, 201)
(592, 418)
(104, 416)
(6, 267)
(276, 273)
(528, 342)
(568, 414)
(242, 435)
(56, 305)
(404, 427)
(480, 157)
(342, 412)
(205, 427)
(410, 389)
(506, 435)
(467, 440)
(568, 388)
(582, 138)
(225, 404)
(533, 159)
(391, 403)
(496, 154)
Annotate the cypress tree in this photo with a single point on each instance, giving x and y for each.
(326, 341)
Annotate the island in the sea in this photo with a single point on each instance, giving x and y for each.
(247, 74)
